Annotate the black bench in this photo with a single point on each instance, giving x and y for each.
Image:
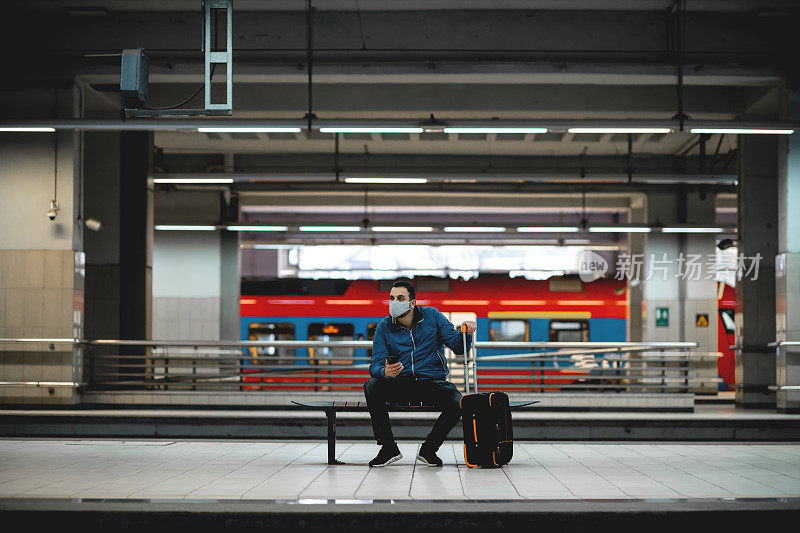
(331, 408)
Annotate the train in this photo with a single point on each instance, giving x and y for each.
(559, 309)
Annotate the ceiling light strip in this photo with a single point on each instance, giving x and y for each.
(620, 229)
(743, 131)
(548, 229)
(27, 130)
(194, 181)
(402, 228)
(329, 228)
(493, 130)
(257, 228)
(169, 227)
(246, 129)
(385, 180)
(619, 130)
(475, 229)
(369, 129)
(678, 229)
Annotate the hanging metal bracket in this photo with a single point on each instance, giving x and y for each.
(212, 57)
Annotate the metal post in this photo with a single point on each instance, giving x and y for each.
(474, 352)
(330, 414)
(466, 363)
(214, 57)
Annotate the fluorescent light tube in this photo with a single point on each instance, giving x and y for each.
(619, 229)
(385, 180)
(475, 229)
(744, 131)
(402, 228)
(193, 180)
(330, 228)
(257, 228)
(24, 129)
(691, 230)
(495, 130)
(369, 129)
(185, 228)
(245, 129)
(548, 229)
(618, 130)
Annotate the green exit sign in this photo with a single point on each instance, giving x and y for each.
(662, 317)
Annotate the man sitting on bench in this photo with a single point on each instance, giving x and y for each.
(415, 336)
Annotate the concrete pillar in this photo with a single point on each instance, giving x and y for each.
(787, 269)
(678, 285)
(41, 261)
(229, 285)
(101, 182)
(119, 256)
(136, 234)
(637, 243)
(755, 298)
(195, 273)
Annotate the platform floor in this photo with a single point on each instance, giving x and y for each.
(248, 470)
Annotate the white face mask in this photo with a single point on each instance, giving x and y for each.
(398, 308)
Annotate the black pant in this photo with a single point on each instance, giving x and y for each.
(439, 392)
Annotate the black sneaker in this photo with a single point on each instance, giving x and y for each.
(387, 455)
(428, 457)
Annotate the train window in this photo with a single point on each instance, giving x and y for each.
(569, 331)
(508, 330)
(330, 331)
(271, 331)
(727, 320)
(371, 330)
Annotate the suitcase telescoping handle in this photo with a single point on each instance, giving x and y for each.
(466, 364)
(466, 369)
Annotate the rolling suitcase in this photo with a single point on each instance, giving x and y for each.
(486, 417)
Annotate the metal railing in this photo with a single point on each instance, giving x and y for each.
(789, 345)
(275, 365)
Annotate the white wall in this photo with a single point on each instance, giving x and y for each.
(186, 263)
(41, 284)
(27, 169)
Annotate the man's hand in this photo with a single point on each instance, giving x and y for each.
(392, 371)
(472, 327)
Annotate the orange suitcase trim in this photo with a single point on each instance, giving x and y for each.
(465, 458)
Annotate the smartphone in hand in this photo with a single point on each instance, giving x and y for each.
(392, 359)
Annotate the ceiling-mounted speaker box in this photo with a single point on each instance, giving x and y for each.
(134, 77)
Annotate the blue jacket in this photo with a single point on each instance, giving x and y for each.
(420, 349)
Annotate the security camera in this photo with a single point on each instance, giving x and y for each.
(93, 224)
(53, 211)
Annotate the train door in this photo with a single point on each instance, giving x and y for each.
(570, 330)
(726, 338)
(330, 357)
(262, 358)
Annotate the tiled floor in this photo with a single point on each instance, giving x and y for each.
(131, 469)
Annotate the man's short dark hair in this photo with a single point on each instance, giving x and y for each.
(412, 293)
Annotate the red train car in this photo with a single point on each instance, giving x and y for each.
(726, 329)
(510, 309)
